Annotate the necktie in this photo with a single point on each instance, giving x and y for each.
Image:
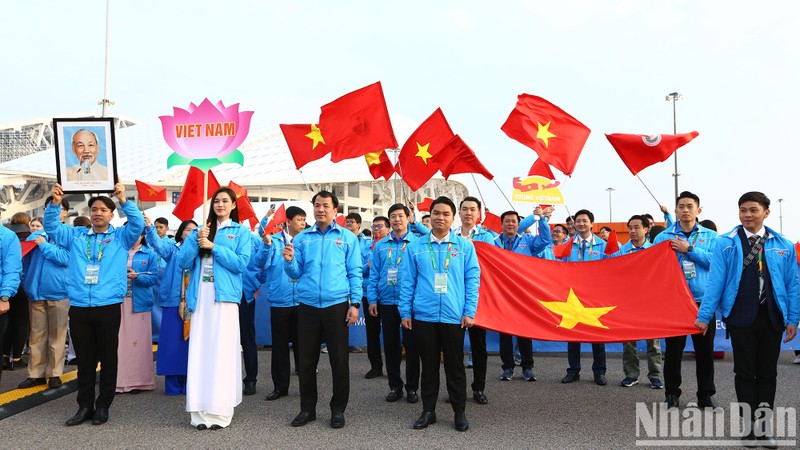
(509, 244)
(583, 249)
(753, 240)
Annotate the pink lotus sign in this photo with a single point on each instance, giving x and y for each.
(207, 135)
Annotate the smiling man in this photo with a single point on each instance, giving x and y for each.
(86, 149)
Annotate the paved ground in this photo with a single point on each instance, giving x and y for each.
(542, 414)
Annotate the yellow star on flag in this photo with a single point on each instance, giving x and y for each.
(151, 191)
(544, 133)
(373, 159)
(422, 152)
(573, 312)
(316, 136)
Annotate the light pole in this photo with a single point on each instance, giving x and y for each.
(674, 97)
(780, 213)
(610, 190)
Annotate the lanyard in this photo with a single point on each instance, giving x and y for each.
(399, 258)
(696, 235)
(433, 260)
(580, 253)
(89, 249)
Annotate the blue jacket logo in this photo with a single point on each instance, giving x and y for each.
(231, 236)
(339, 242)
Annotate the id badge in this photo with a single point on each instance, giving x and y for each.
(440, 283)
(92, 274)
(208, 274)
(688, 270)
(129, 292)
(391, 276)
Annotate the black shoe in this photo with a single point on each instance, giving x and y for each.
(337, 419)
(201, 427)
(707, 402)
(100, 416)
(276, 394)
(394, 395)
(570, 377)
(412, 397)
(54, 382)
(480, 397)
(600, 380)
(215, 427)
(673, 401)
(81, 416)
(31, 382)
(373, 374)
(249, 388)
(303, 418)
(427, 418)
(135, 391)
(461, 421)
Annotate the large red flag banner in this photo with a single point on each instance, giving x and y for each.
(357, 123)
(585, 301)
(415, 163)
(305, 142)
(639, 151)
(557, 137)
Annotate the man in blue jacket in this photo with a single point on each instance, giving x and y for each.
(326, 261)
(754, 282)
(97, 282)
(438, 300)
(692, 244)
(389, 260)
(247, 315)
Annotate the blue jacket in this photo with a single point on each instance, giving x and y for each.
(10, 262)
(628, 248)
(144, 260)
(528, 244)
(594, 252)
(327, 265)
(169, 292)
(115, 242)
(231, 254)
(280, 290)
(379, 291)
(417, 297)
(365, 247)
(702, 239)
(250, 283)
(726, 273)
(477, 234)
(46, 274)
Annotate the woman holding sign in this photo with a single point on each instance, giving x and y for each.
(217, 254)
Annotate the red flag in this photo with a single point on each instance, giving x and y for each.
(556, 136)
(305, 142)
(278, 218)
(379, 165)
(27, 246)
(639, 151)
(150, 193)
(357, 123)
(340, 220)
(246, 211)
(415, 163)
(541, 169)
(612, 244)
(425, 204)
(581, 302)
(192, 194)
(563, 250)
(492, 222)
(457, 157)
(797, 251)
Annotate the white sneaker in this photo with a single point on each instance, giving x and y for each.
(796, 359)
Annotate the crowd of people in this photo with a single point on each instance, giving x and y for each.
(416, 283)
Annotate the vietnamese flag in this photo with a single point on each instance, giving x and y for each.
(542, 169)
(340, 220)
(192, 194)
(150, 193)
(357, 123)
(492, 222)
(612, 244)
(563, 250)
(27, 246)
(278, 218)
(305, 142)
(246, 211)
(415, 163)
(379, 165)
(582, 301)
(425, 204)
(557, 137)
(639, 151)
(457, 157)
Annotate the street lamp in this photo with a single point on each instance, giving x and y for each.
(674, 97)
(610, 190)
(780, 213)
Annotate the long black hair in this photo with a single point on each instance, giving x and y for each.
(182, 228)
(211, 221)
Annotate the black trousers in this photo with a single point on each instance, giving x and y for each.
(756, 350)
(18, 328)
(477, 343)
(315, 326)
(284, 330)
(390, 321)
(247, 337)
(433, 338)
(95, 336)
(704, 360)
(373, 325)
(507, 351)
(3, 326)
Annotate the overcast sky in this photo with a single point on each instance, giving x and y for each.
(608, 63)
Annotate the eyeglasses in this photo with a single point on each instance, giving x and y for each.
(378, 226)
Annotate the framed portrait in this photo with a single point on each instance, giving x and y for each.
(85, 154)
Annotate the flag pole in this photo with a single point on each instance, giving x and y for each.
(304, 181)
(475, 182)
(400, 169)
(205, 195)
(501, 192)
(648, 191)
